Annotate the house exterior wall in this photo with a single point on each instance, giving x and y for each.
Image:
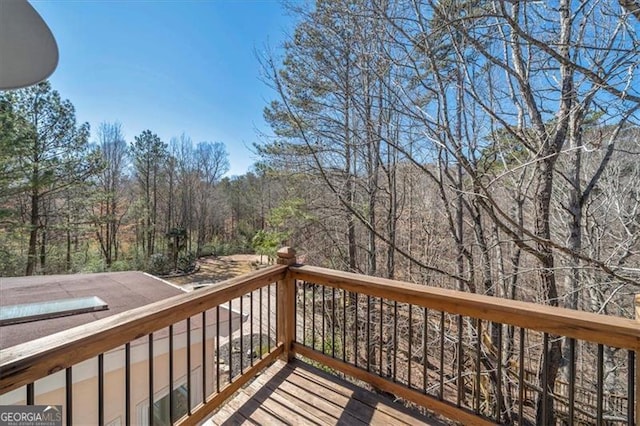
(51, 390)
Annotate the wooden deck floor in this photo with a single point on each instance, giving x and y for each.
(299, 394)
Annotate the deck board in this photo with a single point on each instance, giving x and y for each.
(296, 393)
(313, 409)
(322, 409)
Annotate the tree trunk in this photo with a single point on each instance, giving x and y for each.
(43, 248)
(154, 214)
(68, 257)
(349, 189)
(549, 289)
(33, 232)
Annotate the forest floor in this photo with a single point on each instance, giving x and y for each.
(218, 268)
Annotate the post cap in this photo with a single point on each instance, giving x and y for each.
(286, 256)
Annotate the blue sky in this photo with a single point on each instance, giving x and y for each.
(168, 66)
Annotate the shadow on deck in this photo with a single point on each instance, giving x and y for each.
(298, 393)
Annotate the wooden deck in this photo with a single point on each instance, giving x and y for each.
(299, 394)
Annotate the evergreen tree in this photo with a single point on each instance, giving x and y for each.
(148, 153)
(53, 155)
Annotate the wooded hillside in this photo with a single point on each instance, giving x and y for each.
(487, 146)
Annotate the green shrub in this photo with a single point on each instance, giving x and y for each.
(159, 264)
(218, 247)
(208, 250)
(122, 265)
(187, 262)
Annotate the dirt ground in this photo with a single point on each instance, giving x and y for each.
(214, 269)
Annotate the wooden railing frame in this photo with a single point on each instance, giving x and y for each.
(25, 363)
(613, 331)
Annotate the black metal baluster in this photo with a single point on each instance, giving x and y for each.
(323, 325)
(476, 407)
(101, 389)
(31, 398)
(151, 417)
(230, 344)
(127, 383)
(241, 342)
(425, 353)
(171, 401)
(459, 366)
(333, 322)
(410, 345)
(269, 318)
(631, 374)
(395, 340)
(599, 390)
(204, 356)
(521, 383)
(189, 365)
(368, 333)
(69, 398)
(572, 378)
(261, 324)
(441, 390)
(381, 335)
(313, 317)
(304, 313)
(218, 349)
(545, 378)
(344, 326)
(355, 330)
(252, 347)
(499, 376)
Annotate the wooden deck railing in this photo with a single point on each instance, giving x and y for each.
(146, 349)
(470, 358)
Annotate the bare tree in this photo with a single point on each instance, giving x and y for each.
(110, 207)
(493, 100)
(212, 163)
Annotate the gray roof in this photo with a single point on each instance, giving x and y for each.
(121, 290)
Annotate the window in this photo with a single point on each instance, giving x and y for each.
(180, 407)
(115, 422)
(180, 400)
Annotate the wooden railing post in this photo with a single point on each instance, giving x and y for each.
(286, 304)
(637, 366)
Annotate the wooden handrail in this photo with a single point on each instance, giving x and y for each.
(27, 362)
(608, 330)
